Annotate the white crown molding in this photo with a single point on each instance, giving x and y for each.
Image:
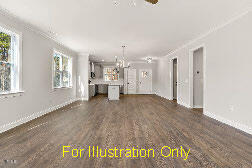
(212, 30)
(32, 28)
(137, 62)
(142, 62)
(33, 116)
(234, 124)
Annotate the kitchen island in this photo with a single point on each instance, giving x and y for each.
(111, 87)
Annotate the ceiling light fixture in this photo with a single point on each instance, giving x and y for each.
(134, 2)
(115, 2)
(121, 63)
(149, 60)
(137, 2)
(152, 1)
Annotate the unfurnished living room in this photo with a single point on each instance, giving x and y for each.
(125, 83)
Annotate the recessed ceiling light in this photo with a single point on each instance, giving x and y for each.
(134, 3)
(149, 60)
(115, 2)
(102, 60)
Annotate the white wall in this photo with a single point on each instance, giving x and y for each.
(142, 65)
(228, 82)
(38, 97)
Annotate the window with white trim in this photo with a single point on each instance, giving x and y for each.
(62, 75)
(9, 62)
(111, 74)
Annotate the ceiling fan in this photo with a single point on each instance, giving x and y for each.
(136, 2)
(152, 1)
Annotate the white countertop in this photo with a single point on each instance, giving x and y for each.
(101, 81)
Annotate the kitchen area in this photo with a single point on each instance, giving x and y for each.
(106, 78)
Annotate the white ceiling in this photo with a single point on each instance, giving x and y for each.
(100, 27)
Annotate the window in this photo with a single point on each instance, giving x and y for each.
(62, 75)
(9, 62)
(111, 74)
(144, 74)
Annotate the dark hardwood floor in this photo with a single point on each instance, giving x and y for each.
(140, 121)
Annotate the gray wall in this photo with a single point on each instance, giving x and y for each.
(38, 97)
(228, 73)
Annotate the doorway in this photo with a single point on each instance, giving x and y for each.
(130, 81)
(175, 78)
(145, 81)
(198, 78)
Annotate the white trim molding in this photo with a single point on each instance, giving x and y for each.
(178, 101)
(83, 99)
(26, 119)
(234, 124)
(11, 95)
(17, 53)
(162, 96)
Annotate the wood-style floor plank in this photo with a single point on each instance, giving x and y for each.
(142, 121)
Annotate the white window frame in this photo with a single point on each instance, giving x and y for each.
(70, 70)
(16, 84)
(105, 73)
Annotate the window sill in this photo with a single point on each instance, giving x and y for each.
(11, 94)
(62, 88)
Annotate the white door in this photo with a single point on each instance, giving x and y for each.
(198, 78)
(145, 81)
(131, 81)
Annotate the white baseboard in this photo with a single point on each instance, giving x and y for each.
(16, 123)
(234, 124)
(183, 104)
(197, 106)
(162, 96)
(83, 99)
(179, 102)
